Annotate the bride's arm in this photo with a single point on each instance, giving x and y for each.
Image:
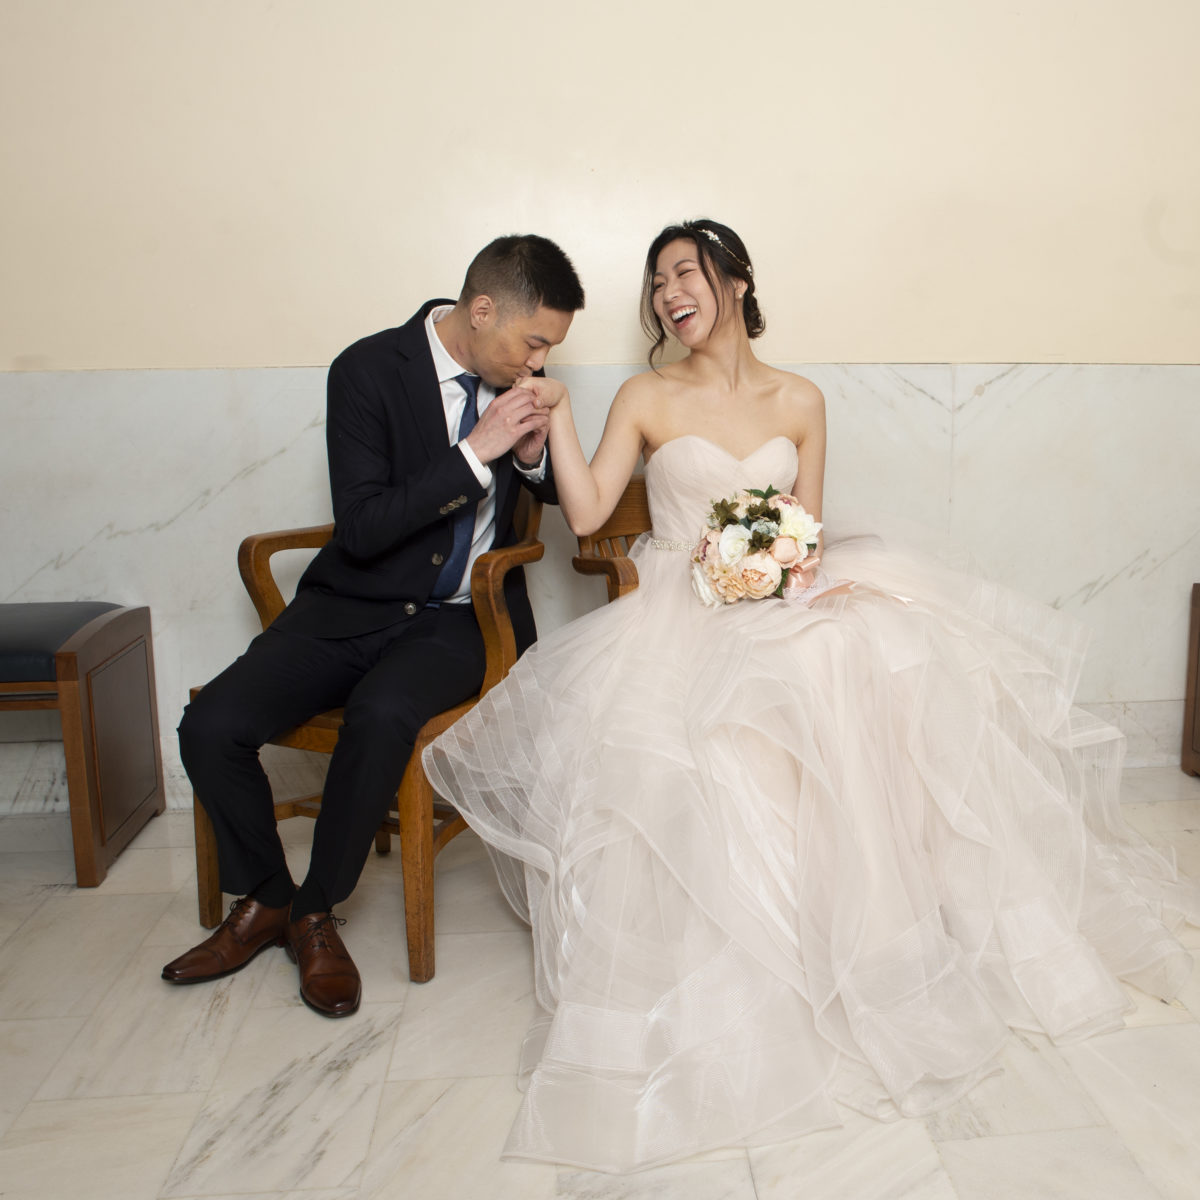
(810, 475)
(588, 493)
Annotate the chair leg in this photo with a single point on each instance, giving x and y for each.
(414, 805)
(383, 841)
(208, 880)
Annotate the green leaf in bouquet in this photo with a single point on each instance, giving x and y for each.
(724, 513)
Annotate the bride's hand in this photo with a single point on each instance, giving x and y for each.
(803, 574)
(547, 392)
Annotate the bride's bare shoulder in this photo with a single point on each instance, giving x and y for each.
(645, 388)
(799, 392)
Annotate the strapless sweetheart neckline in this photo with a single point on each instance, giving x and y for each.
(696, 437)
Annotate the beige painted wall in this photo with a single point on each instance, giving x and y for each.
(245, 183)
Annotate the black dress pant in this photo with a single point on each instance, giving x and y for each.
(391, 681)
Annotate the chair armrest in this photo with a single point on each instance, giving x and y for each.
(622, 575)
(254, 564)
(487, 591)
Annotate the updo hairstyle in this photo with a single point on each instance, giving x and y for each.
(720, 253)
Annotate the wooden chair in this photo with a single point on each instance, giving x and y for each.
(425, 825)
(606, 552)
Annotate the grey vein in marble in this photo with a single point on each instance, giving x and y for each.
(282, 1117)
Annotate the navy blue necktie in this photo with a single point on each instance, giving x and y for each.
(451, 573)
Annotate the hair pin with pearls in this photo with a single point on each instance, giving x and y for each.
(712, 237)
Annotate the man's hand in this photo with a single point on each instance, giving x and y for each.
(549, 392)
(513, 421)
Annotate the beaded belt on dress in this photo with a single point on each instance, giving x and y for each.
(668, 544)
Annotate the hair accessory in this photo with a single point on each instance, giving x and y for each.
(712, 237)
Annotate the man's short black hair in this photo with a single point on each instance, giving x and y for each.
(524, 270)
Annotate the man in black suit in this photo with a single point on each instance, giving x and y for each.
(428, 442)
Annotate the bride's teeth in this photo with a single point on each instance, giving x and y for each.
(683, 312)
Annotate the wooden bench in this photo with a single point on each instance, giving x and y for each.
(94, 663)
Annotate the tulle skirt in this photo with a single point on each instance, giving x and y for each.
(778, 856)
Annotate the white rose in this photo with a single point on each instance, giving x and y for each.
(735, 541)
(702, 587)
(798, 524)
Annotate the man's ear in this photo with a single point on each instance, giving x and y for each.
(482, 311)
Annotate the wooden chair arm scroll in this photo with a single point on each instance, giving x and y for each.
(254, 564)
(487, 589)
(487, 578)
(606, 552)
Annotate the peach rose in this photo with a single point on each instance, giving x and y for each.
(785, 551)
(761, 574)
(707, 549)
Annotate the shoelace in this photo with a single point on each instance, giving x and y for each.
(318, 933)
(235, 909)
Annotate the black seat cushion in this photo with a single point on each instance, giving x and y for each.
(31, 633)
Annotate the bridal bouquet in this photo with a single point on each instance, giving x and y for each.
(750, 540)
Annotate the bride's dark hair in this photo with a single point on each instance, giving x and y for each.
(719, 250)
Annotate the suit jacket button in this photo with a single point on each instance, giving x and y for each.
(437, 560)
(411, 609)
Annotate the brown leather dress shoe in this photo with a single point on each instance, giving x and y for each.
(329, 982)
(249, 928)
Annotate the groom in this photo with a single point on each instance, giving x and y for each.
(428, 442)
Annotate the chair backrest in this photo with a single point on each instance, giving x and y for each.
(606, 552)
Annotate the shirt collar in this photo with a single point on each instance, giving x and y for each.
(443, 363)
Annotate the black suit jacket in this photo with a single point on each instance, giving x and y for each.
(397, 483)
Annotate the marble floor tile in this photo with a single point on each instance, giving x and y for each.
(70, 950)
(1189, 997)
(27, 879)
(1158, 784)
(170, 828)
(1147, 1084)
(1073, 1164)
(292, 1106)
(727, 1178)
(444, 1137)
(15, 760)
(42, 868)
(115, 1149)
(148, 1036)
(471, 1018)
(864, 1159)
(179, 926)
(1036, 1090)
(36, 832)
(1159, 819)
(28, 1052)
(154, 869)
(350, 1193)
(44, 788)
(467, 893)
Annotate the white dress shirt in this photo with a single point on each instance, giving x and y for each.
(454, 400)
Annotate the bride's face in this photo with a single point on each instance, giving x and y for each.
(683, 299)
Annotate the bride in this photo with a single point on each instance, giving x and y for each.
(786, 854)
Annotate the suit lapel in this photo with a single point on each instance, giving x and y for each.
(420, 383)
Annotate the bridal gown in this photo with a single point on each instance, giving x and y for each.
(778, 857)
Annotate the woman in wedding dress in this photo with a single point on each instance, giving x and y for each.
(786, 854)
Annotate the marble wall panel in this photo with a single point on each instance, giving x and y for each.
(1080, 484)
(1075, 483)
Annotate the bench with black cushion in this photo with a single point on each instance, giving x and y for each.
(94, 663)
